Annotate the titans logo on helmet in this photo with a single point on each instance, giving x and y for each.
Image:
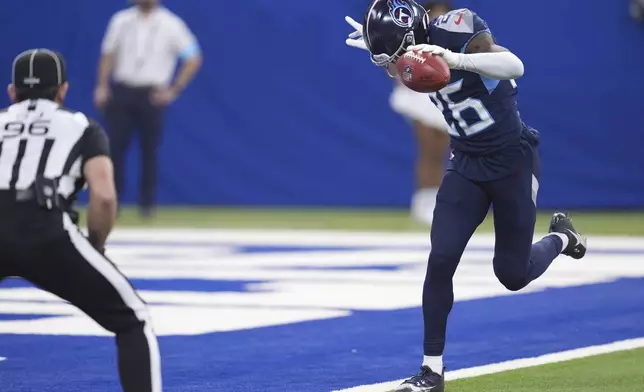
(401, 13)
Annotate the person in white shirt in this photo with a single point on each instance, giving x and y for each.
(636, 8)
(140, 52)
(430, 129)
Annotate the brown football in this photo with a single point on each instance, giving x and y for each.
(423, 72)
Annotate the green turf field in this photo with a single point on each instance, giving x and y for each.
(618, 372)
(602, 223)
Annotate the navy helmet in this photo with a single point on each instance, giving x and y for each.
(392, 25)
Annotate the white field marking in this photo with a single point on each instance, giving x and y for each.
(516, 364)
(2, 358)
(295, 286)
(330, 238)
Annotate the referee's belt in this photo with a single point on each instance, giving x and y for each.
(30, 196)
(17, 195)
(44, 192)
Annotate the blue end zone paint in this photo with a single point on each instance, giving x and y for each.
(12, 317)
(12, 283)
(200, 285)
(237, 286)
(350, 268)
(285, 249)
(366, 347)
(240, 248)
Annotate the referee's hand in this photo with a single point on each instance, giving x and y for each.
(101, 96)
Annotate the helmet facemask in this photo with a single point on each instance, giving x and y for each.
(383, 59)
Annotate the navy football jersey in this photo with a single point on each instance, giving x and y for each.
(482, 113)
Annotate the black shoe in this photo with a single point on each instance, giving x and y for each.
(425, 381)
(561, 223)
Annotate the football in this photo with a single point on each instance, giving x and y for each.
(423, 72)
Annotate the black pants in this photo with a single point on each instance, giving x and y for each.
(65, 264)
(461, 206)
(130, 109)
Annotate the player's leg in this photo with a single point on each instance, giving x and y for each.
(84, 277)
(517, 261)
(150, 122)
(119, 118)
(430, 168)
(460, 208)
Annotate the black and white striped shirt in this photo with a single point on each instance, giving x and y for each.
(40, 138)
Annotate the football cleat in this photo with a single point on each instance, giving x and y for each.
(561, 223)
(425, 381)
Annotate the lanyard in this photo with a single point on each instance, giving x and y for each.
(143, 54)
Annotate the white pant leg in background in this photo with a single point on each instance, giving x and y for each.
(417, 106)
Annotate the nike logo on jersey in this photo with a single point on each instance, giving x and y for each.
(457, 21)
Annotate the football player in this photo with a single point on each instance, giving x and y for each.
(494, 161)
(431, 137)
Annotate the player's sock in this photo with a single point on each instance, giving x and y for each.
(422, 205)
(564, 240)
(434, 363)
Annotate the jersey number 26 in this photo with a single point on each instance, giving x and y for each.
(457, 109)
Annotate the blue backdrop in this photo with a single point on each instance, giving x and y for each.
(284, 114)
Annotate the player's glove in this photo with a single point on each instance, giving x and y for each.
(355, 39)
(453, 60)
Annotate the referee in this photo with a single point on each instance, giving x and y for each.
(139, 54)
(47, 155)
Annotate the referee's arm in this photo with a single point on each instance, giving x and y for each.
(106, 63)
(99, 174)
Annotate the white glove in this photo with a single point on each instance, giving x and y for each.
(453, 60)
(355, 39)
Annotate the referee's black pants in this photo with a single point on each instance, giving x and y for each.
(130, 109)
(64, 263)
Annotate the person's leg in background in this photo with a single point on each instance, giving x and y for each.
(430, 168)
(432, 140)
(150, 123)
(119, 118)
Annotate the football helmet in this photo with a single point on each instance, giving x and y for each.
(392, 25)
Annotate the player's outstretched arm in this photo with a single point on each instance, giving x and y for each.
(485, 57)
(481, 56)
(356, 40)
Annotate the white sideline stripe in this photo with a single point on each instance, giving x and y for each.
(516, 364)
(307, 237)
(125, 290)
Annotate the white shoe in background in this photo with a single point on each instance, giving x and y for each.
(422, 205)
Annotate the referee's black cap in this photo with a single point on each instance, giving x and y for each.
(39, 69)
